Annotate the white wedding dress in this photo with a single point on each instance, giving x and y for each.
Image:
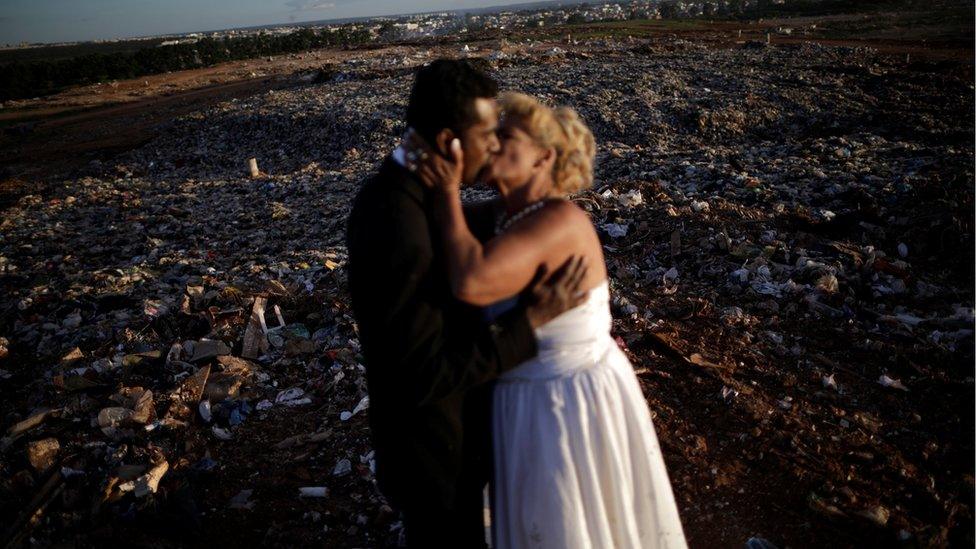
(577, 461)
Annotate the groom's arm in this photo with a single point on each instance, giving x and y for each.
(407, 333)
(452, 359)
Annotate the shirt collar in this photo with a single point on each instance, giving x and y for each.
(399, 154)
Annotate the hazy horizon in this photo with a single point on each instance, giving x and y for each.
(49, 21)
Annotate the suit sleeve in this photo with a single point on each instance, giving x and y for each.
(441, 358)
(410, 332)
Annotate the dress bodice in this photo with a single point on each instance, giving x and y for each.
(576, 339)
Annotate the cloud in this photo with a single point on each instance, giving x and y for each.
(310, 5)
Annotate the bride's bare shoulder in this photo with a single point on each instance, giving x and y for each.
(566, 211)
(556, 218)
(561, 207)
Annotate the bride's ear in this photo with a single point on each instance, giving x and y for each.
(546, 159)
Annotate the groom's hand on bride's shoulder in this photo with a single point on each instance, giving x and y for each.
(550, 296)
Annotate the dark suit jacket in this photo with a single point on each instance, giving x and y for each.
(423, 349)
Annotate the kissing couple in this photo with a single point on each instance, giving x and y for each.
(485, 330)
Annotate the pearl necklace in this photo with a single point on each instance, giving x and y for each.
(505, 222)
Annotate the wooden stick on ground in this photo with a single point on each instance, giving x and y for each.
(255, 335)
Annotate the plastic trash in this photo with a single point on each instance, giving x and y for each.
(205, 413)
(313, 492)
(886, 381)
(343, 467)
(616, 230)
(242, 500)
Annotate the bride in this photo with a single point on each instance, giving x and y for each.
(577, 462)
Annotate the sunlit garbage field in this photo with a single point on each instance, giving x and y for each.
(789, 235)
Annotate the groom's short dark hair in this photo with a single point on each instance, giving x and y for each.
(443, 96)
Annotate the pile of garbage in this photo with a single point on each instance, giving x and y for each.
(789, 234)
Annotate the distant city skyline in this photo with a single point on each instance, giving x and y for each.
(45, 21)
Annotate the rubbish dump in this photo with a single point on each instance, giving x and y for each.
(789, 236)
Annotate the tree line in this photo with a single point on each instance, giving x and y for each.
(20, 80)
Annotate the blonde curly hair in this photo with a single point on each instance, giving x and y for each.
(563, 130)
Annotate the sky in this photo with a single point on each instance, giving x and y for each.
(78, 20)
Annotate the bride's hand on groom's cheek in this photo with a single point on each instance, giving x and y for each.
(441, 173)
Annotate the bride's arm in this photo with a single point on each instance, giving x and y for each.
(481, 274)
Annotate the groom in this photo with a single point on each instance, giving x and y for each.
(429, 359)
